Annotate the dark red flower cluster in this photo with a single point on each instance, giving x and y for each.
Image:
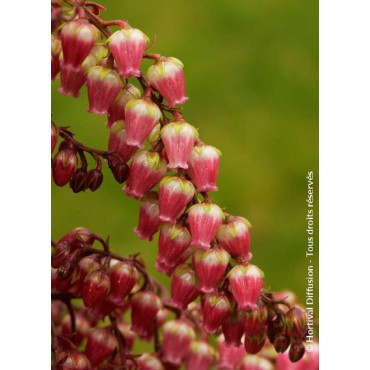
(214, 288)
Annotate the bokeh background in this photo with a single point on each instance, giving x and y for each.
(251, 71)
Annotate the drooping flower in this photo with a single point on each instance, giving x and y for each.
(210, 267)
(174, 194)
(295, 321)
(146, 170)
(310, 360)
(73, 360)
(201, 356)
(184, 289)
(64, 165)
(203, 167)
(233, 328)
(255, 362)
(215, 308)
(96, 287)
(246, 282)
(103, 86)
(256, 320)
(116, 111)
(141, 115)
(229, 356)
(178, 138)
(127, 46)
(148, 217)
(177, 337)
(204, 220)
(253, 344)
(234, 236)
(117, 141)
(149, 361)
(167, 76)
(78, 37)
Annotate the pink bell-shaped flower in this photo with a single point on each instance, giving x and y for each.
(147, 361)
(103, 86)
(229, 356)
(117, 141)
(146, 170)
(246, 283)
(204, 220)
(215, 308)
(127, 46)
(78, 37)
(167, 76)
(253, 344)
(96, 288)
(210, 267)
(203, 167)
(148, 217)
(255, 362)
(174, 194)
(184, 289)
(178, 138)
(123, 277)
(169, 268)
(144, 308)
(116, 111)
(177, 337)
(141, 115)
(174, 240)
(256, 320)
(64, 165)
(234, 236)
(201, 356)
(233, 328)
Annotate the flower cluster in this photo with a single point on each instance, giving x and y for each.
(215, 289)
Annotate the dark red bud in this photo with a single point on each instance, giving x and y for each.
(94, 179)
(60, 253)
(281, 343)
(121, 172)
(78, 181)
(274, 328)
(96, 287)
(66, 269)
(64, 165)
(296, 351)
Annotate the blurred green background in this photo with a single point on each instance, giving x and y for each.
(251, 71)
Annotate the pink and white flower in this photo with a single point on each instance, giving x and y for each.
(201, 356)
(216, 308)
(184, 289)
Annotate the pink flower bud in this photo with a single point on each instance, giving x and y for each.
(64, 164)
(148, 361)
(103, 86)
(233, 328)
(54, 136)
(183, 287)
(295, 321)
(177, 337)
(178, 139)
(256, 320)
(141, 116)
(173, 241)
(148, 217)
(127, 46)
(254, 362)
(123, 277)
(73, 360)
(215, 308)
(56, 47)
(229, 356)
(117, 141)
(78, 37)
(174, 194)
(201, 356)
(146, 170)
(204, 220)
(246, 282)
(234, 236)
(253, 344)
(203, 167)
(145, 306)
(73, 78)
(100, 345)
(210, 268)
(167, 76)
(116, 111)
(96, 287)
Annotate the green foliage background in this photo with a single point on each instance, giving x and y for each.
(251, 70)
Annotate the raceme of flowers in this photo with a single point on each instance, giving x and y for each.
(163, 164)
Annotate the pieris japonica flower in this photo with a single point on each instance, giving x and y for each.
(229, 355)
(96, 287)
(174, 194)
(256, 320)
(254, 362)
(64, 165)
(203, 167)
(178, 138)
(295, 321)
(148, 361)
(253, 344)
(201, 356)
(204, 220)
(127, 46)
(215, 308)
(146, 170)
(74, 360)
(167, 76)
(103, 86)
(246, 283)
(233, 328)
